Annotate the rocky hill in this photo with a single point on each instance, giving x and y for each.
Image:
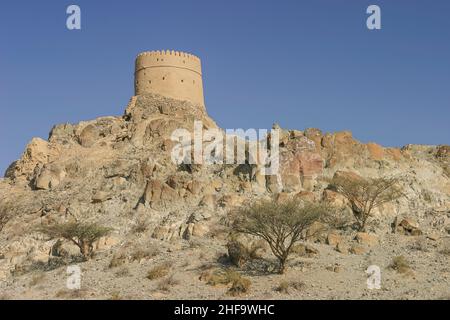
(117, 172)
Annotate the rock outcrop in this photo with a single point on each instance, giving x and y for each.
(118, 172)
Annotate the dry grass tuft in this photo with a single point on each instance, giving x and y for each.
(239, 287)
(239, 284)
(400, 264)
(285, 286)
(144, 253)
(123, 256)
(167, 283)
(158, 271)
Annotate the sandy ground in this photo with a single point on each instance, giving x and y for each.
(428, 278)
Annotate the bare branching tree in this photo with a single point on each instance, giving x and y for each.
(281, 225)
(364, 195)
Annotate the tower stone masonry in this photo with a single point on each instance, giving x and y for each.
(173, 74)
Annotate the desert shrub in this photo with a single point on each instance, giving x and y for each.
(167, 283)
(139, 228)
(81, 234)
(364, 195)
(130, 253)
(237, 253)
(119, 258)
(400, 264)
(239, 286)
(142, 253)
(158, 271)
(285, 286)
(281, 225)
(53, 263)
(219, 276)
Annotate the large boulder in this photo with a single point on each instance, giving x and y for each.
(334, 198)
(334, 238)
(49, 177)
(89, 136)
(37, 153)
(367, 239)
(406, 226)
(158, 193)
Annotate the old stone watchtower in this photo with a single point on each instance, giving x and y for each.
(173, 74)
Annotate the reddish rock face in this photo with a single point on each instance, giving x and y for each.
(339, 147)
(311, 164)
(376, 151)
(395, 153)
(299, 161)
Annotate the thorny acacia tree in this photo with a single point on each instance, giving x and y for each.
(281, 225)
(81, 234)
(365, 195)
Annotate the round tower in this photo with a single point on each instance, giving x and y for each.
(173, 74)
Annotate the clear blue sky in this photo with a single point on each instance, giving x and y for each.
(299, 63)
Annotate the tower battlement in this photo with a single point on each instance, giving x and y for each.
(174, 74)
